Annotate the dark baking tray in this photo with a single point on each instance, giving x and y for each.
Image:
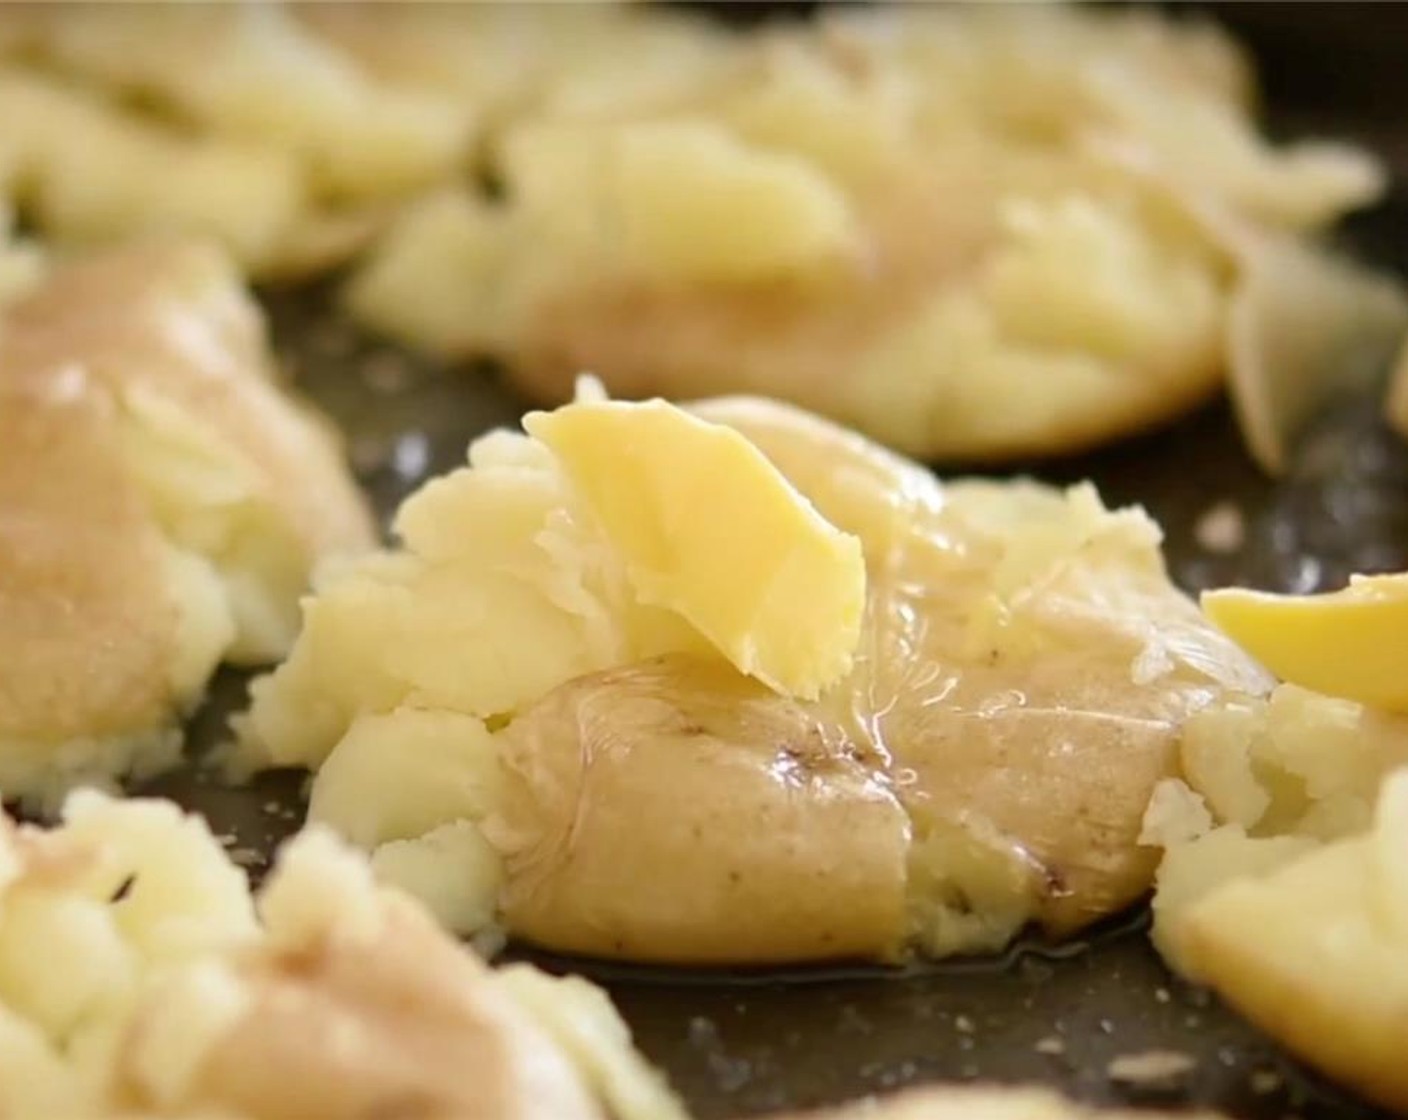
(738, 1044)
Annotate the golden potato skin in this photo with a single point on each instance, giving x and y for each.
(319, 997)
(674, 811)
(76, 534)
(158, 495)
(405, 1021)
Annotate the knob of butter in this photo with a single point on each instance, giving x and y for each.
(1351, 643)
(710, 529)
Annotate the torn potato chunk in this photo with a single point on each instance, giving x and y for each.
(1281, 885)
(1313, 951)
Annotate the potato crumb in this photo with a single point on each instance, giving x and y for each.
(1152, 1069)
(1175, 815)
(1221, 528)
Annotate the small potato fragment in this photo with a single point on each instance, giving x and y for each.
(336, 999)
(419, 768)
(1302, 325)
(626, 784)
(256, 74)
(93, 174)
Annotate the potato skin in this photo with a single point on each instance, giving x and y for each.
(405, 1020)
(677, 812)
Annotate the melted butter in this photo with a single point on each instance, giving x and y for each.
(1034, 751)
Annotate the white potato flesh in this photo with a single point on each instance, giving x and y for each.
(340, 997)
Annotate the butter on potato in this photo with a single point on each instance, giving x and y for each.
(138, 975)
(162, 504)
(760, 573)
(533, 710)
(1348, 643)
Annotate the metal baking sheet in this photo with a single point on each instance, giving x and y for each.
(743, 1044)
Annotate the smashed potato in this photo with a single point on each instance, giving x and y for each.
(1323, 972)
(255, 73)
(746, 219)
(737, 211)
(1281, 885)
(161, 506)
(512, 726)
(138, 976)
(89, 174)
(874, 214)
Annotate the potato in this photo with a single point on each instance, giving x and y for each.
(421, 768)
(1324, 973)
(1022, 681)
(343, 999)
(163, 504)
(743, 867)
(1268, 780)
(580, 1018)
(700, 207)
(1281, 885)
(455, 872)
(1295, 762)
(257, 75)
(746, 213)
(92, 174)
(1199, 866)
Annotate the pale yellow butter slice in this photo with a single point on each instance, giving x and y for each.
(710, 529)
(1351, 643)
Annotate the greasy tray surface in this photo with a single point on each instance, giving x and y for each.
(741, 1045)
